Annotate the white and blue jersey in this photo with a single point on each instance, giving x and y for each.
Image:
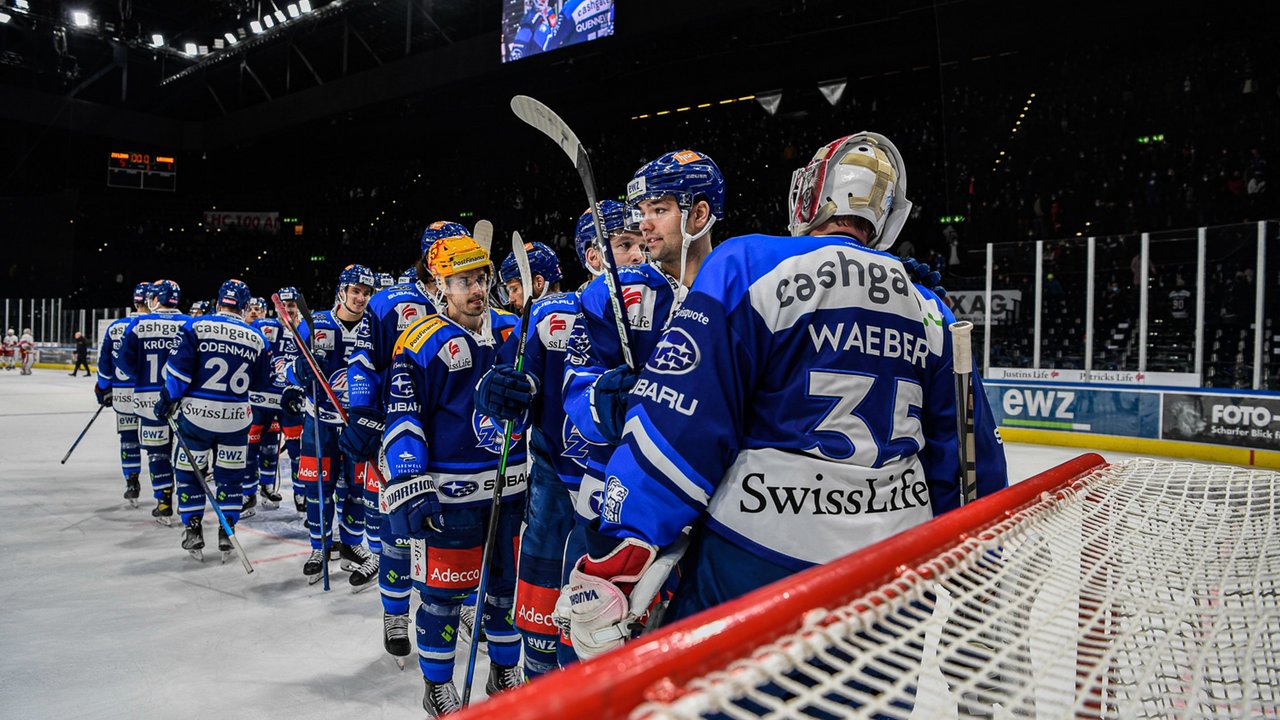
(433, 427)
(121, 389)
(648, 296)
(801, 402)
(282, 350)
(218, 362)
(390, 312)
(333, 345)
(579, 21)
(144, 349)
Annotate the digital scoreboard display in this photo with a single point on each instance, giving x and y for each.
(530, 27)
(142, 171)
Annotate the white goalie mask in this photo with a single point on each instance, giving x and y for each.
(861, 175)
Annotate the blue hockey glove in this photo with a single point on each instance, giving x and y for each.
(103, 395)
(609, 401)
(923, 275)
(363, 435)
(302, 372)
(164, 406)
(291, 400)
(412, 507)
(505, 393)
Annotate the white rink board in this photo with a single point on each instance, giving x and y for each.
(106, 617)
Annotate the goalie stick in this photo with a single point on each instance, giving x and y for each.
(486, 558)
(213, 499)
(962, 365)
(544, 120)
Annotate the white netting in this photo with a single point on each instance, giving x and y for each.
(1144, 590)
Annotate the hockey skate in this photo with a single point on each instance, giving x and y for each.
(163, 512)
(467, 624)
(250, 506)
(132, 489)
(270, 498)
(362, 564)
(300, 505)
(503, 677)
(193, 539)
(224, 544)
(395, 636)
(441, 699)
(313, 567)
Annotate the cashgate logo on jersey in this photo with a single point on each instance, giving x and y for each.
(554, 330)
(453, 569)
(456, 355)
(675, 354)
(639, 301)
(408, 314)
(489, 433)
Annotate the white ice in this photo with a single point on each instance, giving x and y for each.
(102, 615)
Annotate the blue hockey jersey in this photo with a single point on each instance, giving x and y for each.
(121, 390)
(581, 20)
(552, 319)
(333, 346)
(432, 424)
(218, 361)
(282, 350)
(802, 400)
(648, 297)
(389, 313)
(144, 349)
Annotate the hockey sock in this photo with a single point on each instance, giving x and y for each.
(394, 581)
(437, 626)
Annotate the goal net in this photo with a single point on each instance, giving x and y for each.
(1143, 589)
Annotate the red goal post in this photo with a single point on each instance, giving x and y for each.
(660, 666)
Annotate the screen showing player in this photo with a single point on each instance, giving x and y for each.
(530, 27)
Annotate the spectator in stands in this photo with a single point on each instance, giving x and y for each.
(1179, 300)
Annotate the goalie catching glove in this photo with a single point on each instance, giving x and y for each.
(599, 597)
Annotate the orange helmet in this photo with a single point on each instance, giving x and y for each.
(452, 255)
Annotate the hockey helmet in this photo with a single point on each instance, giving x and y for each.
(860, 175)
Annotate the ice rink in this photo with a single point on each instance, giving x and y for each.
(104, 616)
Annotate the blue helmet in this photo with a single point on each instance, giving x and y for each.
(288, 293)
(409, 275)
(439, 230)
(542, 261)
(385, 280)
(234, 293)
(140, 293)
(166, 293)
(686, 175)
(258, 302)
(199, 307)
(356, 274)
(613, 215)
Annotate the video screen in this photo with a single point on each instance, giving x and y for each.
(530, 27)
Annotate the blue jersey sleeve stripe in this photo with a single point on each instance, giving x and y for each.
(655, 450)
(170, 370)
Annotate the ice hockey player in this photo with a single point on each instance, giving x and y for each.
(385, 280)
(442, 456)
(541, 259)
(784, 352)
(27, 350)
(118, 394)
(9, 351)
(218, 362)
(256, 310)
(389, 313)
(557, 450)
(269, 419)
(198, 308)
(332, 336)
(579, 21)
(144, 349)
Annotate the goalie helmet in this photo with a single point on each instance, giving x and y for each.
(686, 175)
(613, 216)
(859, 175)
(542, 261)
(164, 293)
(233, 294)
(455, 254)
(439, 230)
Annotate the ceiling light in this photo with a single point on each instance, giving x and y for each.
(269, 21)
(190, 49)
(21, 5)
(157, 40)
(293, 11)
(279, 16)
(256, 27)
(4, 17)
(305, 6)
(231, 39)
(81, 18)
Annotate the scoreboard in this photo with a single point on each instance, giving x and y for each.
(142, 171)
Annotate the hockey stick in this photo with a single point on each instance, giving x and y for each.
(962, 365)
(213, 499)
(82, 434)
(486, 558)
(544, 120)
(483, 235)
(305, 350)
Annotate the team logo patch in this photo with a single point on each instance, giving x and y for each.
(489, 433)
(638, 301)
(401, 386)
(554, 329)
(324, 339)
(459, 488)
(455, 354)
(576, 447)
(408, 314)
(675, 354)
(614, 495)
(278, 366)
(338, 382)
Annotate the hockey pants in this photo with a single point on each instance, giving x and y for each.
(227, 452)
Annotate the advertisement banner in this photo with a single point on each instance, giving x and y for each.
(1103, 377)
(1132, 413)
(1251, 421)
(259, 222)
(971, 305)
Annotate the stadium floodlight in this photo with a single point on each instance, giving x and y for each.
(157, 40)
(81, 18)
(293, 11)
(256, 27)
(269, 21)
(4, 17)
(304, 6)
(279, 16)
(231, 39)
(190, 49)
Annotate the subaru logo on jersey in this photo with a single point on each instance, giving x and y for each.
(324, 339)
(338, 383)
(555, 329)
(408, 313)
(575, 446)
(675, 354)
(639, 301)
(456, 355)
(401, 386)
(459, 488)
(595, 501)
(489, 434)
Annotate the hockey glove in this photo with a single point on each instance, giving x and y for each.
(505, 393)
(164, 406)
(302, 372)
(600, 612)
(363, 435)
(923, 275)
(412, 507)
(609, 397)
(291, 400)
(103, 395)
